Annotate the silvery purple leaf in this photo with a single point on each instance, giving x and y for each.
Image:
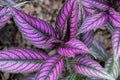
(51, 68)
(112, 67)
(5, 15)
(73, 20)
(84, 10)
(88, 67)
(36, 31)
(63, 16)
(116, 43)
(97, 4)
(114, 18)
(7, 2)
(93, 22)
(82, 14)
(88, 38)
(20, 60)
(73, 47)
(100, 53)
(88, 8)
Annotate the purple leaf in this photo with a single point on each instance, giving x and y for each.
(72, 47)
(93, 22)
(51, 68)
(88, 8)
(36, 31)
(97, 4)
(82, 14)
(114, 18)
(88, 38)
(20, 60)
(100, 53)
(112, 67)
(116, 43)
(88, 67)
(5, 15)
(84, 10)
(63, 15)
(73, 20)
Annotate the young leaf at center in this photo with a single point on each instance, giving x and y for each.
(73, 47)
(68, 11)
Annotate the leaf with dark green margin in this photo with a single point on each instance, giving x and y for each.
(100, 52)
(112, 67)
(93, 22)
(116, 43)
(21, 60)
(73, 47)
(51, 68)
(5, 15)
(88, 67)
(88, 38)
(67, 12)
(36, 31)
(114, 18)
(97, 4)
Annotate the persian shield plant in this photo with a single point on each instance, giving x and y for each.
(76, 51)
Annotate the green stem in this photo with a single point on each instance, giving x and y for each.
(67, 62)
(110, 26)
(72, 76)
